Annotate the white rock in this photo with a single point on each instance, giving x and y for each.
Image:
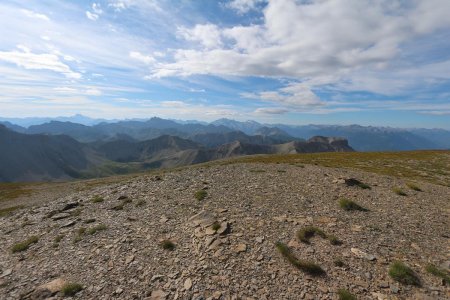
(187, 284)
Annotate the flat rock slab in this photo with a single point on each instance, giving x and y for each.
(362, 254)
(158, 295)
(240, 248)
(68, 224)
(60, 216)
(70, 205)
(53, 286)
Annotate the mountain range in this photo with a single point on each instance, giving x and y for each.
(361, 138)
(60, 149)
(56, 156)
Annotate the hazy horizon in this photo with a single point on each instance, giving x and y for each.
(72, 118)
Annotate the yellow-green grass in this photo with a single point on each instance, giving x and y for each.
(70, 289)
(427, 165)
(22, 246)
(442, 273)
(347, 204)
(343, 294)
(403, 274)
(303, 265)
(97, 199)
(8, 210)
(200, 195)
(10, 191)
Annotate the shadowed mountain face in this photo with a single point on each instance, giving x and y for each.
(40, 157)
(125, 151)
(37, 157)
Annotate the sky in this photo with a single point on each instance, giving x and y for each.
(367, 62)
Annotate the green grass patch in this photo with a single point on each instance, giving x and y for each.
(10, 191)
(59, 238)
(334, 240)
(338, 263)
(306, 233)
(356, 182)
(97, 199)
(97, 228)
(343, 294)
(350, 205)
(9, 210)
(79, 234)
(77, 212)
(399, 191)
(303, 265)
(215, 226)
(168, 245)
(23, 246)
(413, 187)
(441, 273)
(257, 171)
(403, 274)
(70, 289)
(200, 195)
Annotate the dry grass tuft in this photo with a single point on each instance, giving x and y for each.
(303, 265)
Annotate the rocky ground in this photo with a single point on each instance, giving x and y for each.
(224, 244)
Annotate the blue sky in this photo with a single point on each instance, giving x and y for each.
(368, 62)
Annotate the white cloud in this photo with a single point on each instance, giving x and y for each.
(358, 42)
(96, 12)
(436, 112)
(430, 15)
(192, 90)
(146, 59)
(65, 90)
(271, 110)
(243, 6)
(173, 104)
(93, 92)
(120, 5)
(96, 7)
(295, 96)
(35, 15)
(246, 38)
(91, 16)
(207, 34)
(44, 61)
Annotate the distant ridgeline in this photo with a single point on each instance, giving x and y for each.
(63, 149)
(361, 138)
(56, 156)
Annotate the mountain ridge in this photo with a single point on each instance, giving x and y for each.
(362, 138)
(37, 157)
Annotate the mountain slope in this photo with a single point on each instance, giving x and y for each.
(126, 151)
(40, 157)
(214, 139)
(81, 133)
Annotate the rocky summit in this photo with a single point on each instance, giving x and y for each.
(231, 231)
